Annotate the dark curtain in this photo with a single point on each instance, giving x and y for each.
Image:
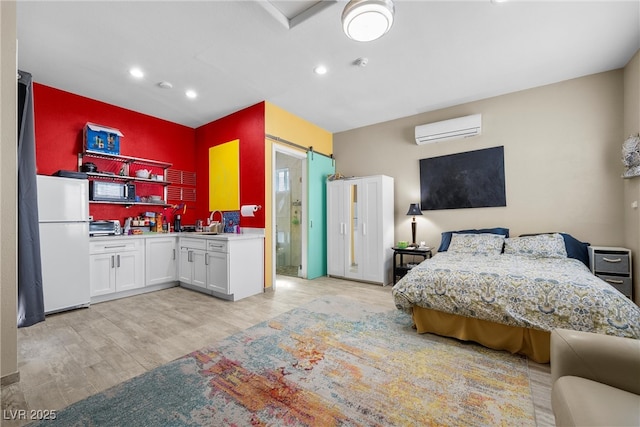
(30, 297)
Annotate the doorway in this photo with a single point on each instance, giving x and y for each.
(290, 216)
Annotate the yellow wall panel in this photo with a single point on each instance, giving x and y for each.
(283, 124)
(224, 176)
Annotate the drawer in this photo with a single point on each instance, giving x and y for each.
(217, 246)
(114, 246)
(623, 284)
(611, 262)
(191, 243)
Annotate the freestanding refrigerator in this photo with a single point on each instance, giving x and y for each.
(63, 212)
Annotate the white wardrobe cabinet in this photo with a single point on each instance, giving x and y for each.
(360, 228)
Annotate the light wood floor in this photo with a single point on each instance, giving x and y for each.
(76, 354)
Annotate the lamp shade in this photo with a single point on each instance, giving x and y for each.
(414, 209)
(367, 20)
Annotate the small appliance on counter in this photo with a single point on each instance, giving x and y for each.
(105, 228)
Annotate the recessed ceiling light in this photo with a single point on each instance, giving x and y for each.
(191, 94)
(320, 69)
(136, 72)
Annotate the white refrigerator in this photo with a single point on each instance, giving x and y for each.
(63, 214)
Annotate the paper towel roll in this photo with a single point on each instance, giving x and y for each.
(248, 210)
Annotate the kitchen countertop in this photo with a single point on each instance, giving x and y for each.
(197, 235)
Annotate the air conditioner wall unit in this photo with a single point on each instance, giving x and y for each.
(461, 127)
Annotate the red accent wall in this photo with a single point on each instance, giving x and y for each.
(60, 118)
(248, 126)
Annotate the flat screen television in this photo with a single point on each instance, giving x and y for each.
(474, 179)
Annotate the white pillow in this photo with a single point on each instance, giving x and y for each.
(539, 246)
(476, 244)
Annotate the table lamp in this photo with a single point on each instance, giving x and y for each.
(414, 209)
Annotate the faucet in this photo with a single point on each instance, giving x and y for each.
(213, 213)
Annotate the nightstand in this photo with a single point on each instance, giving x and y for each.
(613, 265)
(400, 269)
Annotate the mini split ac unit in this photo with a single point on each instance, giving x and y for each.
(462, 127)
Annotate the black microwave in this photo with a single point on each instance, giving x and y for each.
(108, 191)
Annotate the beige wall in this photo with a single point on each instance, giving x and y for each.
(8, 184)
(562, 161)
(632, 186)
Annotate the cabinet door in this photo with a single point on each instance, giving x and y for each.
(199, 267)
(161, 260)
(371, 230)
(335, 228)
(185, 267)
(355, 229)
(129, 271)
(102, 274)
(218, 272)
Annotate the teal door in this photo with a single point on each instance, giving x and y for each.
(318, 167)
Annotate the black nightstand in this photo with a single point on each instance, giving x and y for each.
(402, 268)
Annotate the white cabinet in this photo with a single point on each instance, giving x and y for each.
(217, 261)
(161, 260)
(116, 266)
(360, 228)
(227, 267)
(193, 268)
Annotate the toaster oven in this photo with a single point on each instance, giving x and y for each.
(108, 191)
(105, 228)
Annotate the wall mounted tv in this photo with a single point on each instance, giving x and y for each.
(474, 179)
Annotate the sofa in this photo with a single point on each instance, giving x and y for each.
(595, 379)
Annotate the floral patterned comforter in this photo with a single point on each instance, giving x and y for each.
(537, 293)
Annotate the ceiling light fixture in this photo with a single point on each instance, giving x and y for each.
(137, 73)
(191, 94)
(367, 20)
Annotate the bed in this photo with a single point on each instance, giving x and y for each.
(509, 293)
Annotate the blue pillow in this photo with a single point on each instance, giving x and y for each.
(446, 236)
(575, 248)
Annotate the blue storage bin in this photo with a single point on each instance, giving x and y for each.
(102, 139)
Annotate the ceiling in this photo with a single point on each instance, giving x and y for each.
(237, 53)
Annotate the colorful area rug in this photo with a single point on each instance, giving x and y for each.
(330, 362)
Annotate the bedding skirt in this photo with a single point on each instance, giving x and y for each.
(533, 343)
